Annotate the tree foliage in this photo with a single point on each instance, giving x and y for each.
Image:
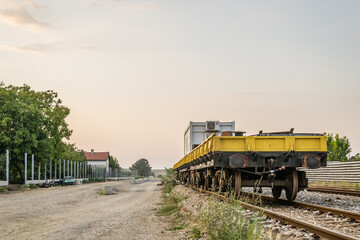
(338, 148)
(71, 152)
(142, 167)
(31, 122)
(113, 162)
(355, 158)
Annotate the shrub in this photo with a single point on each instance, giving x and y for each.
(96, 180)
(33, 186)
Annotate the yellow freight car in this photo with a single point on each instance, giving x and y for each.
(262, 160)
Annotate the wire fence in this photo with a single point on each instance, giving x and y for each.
(35, 171)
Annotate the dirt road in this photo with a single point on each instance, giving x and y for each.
(80, 212)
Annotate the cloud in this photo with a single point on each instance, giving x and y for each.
(42, 48)
(86, 48)
(34, 4)
(128, 5)
(17, 13)
(30, 48)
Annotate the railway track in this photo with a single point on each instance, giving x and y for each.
(323, 209)
(314, 218)
(335, 191)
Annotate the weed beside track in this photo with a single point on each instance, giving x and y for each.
(208, 218)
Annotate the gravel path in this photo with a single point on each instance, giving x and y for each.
(80, 212)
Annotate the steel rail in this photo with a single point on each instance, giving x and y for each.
(335, 191)
(335, 211)
(320, 231)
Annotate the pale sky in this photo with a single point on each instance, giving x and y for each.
(134, 73)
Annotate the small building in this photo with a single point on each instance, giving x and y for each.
(97, 159)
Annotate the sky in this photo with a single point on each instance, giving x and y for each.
(135, 72)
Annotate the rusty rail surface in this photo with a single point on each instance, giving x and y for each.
(320, 231)
(335, 211)
(335, 191)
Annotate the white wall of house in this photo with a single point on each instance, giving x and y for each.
(99, 164)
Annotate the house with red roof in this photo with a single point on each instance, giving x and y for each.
(97, 159)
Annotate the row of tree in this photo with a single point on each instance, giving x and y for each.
(33, 122)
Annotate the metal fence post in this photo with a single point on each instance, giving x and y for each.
(55, 170)
(59, 168)
(71, 165)
(32, 166)
(39, 173)
(25, 173)
(50, 168)
(64, 168)
(45, 172)
(78, 165)
(7, 167)
(68, 168)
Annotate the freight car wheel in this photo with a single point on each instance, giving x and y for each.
(237, 182)
(292, 186)
(276, 191)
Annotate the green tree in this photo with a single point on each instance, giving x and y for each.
(71, 152)
(338, 148)
(355, 158)
(31, 122)
(142, 167)
(113, 162)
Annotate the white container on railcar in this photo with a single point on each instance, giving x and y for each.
(197, 132)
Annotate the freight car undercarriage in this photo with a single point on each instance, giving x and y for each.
(230, 171)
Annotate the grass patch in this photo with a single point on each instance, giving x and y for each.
(176, 228)
(223, 220)
(168, 210)
(96, 180)
(170, 205)
(196, 233)
(34, 186)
